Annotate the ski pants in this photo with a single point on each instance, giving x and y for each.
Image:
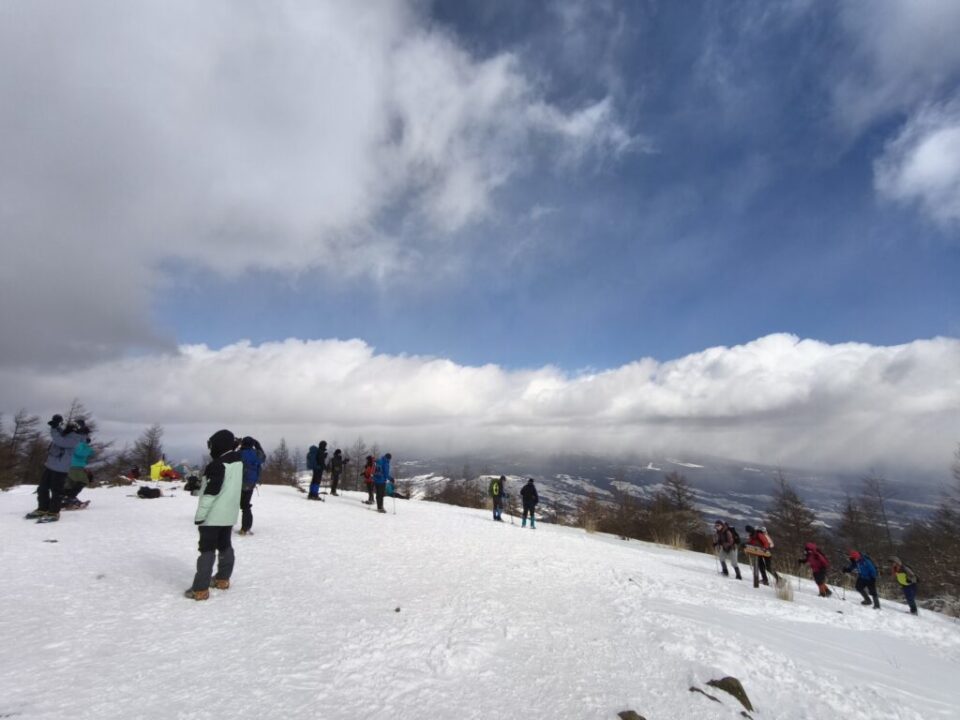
(334, 482)
(729, 556)
(868, 586)
(910, 595)
(529, 509)
(50, 490)
(246, 495)
(315, 482)
(370, 492)
(497, 507)
(380, 489)
(213, 540)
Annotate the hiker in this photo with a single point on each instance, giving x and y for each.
(758, 547)
(496, 490)
(528, 493)
(866, 577)
(78, 476)
(368, 471)
(59, 456)
(381, 476)
(818, 564)
(217, 512)
(316, 460)
(907, 580)
(337, 463)
(726, 540)
(253, 457)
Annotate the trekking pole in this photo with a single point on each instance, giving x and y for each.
(394, 496)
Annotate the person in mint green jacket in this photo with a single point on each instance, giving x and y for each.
(217, 513)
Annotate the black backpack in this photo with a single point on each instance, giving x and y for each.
(149, 493)
(735, 534)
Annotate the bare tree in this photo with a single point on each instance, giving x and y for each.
(280, 467)
(148, 448)
(790, 521)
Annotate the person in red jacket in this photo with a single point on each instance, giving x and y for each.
(818, 564)
(368, 471)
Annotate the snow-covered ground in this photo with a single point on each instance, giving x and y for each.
(433, 612)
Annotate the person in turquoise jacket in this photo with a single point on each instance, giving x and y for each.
(77, 478)
(217, 513)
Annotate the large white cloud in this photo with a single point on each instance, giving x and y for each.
(777, 399)
(243, 135)
(922, 164)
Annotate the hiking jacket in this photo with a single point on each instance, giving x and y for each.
(865, 568)
(724, 538)
(815, 559)
(252, 465)
(220, 488)
(382, 473)
(336, 464)
(81, 455)
(904, 574)
(368, 470)
(60, 453)
(529, 495)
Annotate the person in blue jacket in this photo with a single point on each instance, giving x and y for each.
(253, 457)
(77, 476)
(866, 577)
(381, 476)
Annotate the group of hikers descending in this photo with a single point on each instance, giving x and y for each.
(65, 472)
(528, 494)
(759, 548)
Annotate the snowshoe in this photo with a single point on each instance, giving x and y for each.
(245, 532)
(49, 518)
(381, 510)
(220, 584)
(35, 514)
(866, 602)
(197, 594)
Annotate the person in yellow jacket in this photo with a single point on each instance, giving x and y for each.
(217, 513)
(907, 580)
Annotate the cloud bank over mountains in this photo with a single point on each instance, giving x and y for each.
(778, 399)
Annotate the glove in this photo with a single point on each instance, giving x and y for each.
(55, 421)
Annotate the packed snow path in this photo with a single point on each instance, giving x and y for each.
(494, 621)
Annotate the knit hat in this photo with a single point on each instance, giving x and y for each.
(853, 555)
(222, 441)
(247, 442)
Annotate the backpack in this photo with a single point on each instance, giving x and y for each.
(735, 534)
(765, 540)
(495, 488)
(312, 457)
(148, 492)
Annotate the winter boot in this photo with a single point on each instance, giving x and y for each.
(737, 571)
(723, 568)
(533, 525)
(868, 601)
(381, 510)
(876, 602)
(524, 523)
(35, 514)
(197, 594)
(220, 584)
(48, 517)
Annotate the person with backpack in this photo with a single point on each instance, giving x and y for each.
(726, 539)
(818, 564)
(78, 476)
(316, 461)
(369, 469)
(381, 476)
(759, 547)
(866, 577)
(337, 464)
(907, 580)
(497, 493)
(253, 457)
(217, 512)
(63, 440)
(530, 498)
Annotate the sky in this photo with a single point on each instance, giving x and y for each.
(731, 228)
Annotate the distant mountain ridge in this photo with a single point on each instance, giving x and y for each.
(724, 488)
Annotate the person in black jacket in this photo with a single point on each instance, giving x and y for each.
(337, 463)
(530, 500)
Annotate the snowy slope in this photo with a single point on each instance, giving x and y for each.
(495, 621)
